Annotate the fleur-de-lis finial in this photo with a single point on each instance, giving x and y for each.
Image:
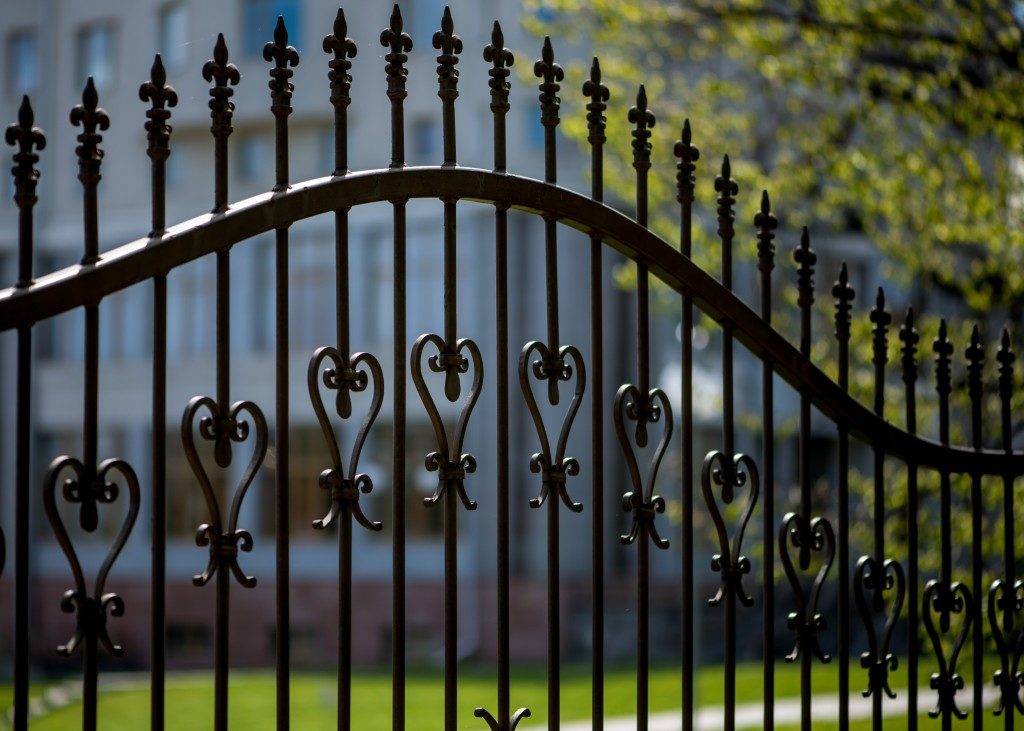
(843, 293)
(29, 139)
(500, 59)
(92, 119)
(223, 75)
(943, 352)
(599, 96)
(400, 44)
(910, 338)
(766, 223)
(688, 155)
(975, 356)
(642, 119)
(805, 258)
(282, 55)
(1006, 357)
(343, 48)
(550, 74)
(160, 96)
(450, 46)
(726, 188)
(881, 321)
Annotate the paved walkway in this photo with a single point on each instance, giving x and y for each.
(787, 712)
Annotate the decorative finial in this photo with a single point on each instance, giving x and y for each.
(550, 73)
(766, 224)
(500, 59)
(643, 120)
(688, 155)
(843, 294)
(160, 96)
(881, 321)
(450, 46)
(910, 338)
(29, 139)
(599, 95)
(400, 43)
(92, 119)
(726, 188)
(943, 351)
(805, 258)
(282, 55)
(975, 359)
(223, 75)
(343, 48)
(1006, 357)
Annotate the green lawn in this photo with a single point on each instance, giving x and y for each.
(190, 697)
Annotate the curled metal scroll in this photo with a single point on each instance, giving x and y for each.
(553, 466)
(225, 541)
(946, 600)
(87, 487)
(450, 463)
(492, 722)
(870, 578)
(641, 500)
(1003, 606)
(729, 561)
(806, 622)
(345, 378)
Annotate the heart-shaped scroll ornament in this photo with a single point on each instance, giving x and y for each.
(870, 579)
(641, 500)
(356, 376)
(816, 537)
(449, 461)
(90, 610)
(553, 465)
(946, 600)
(224, 540)
(1005, 610)
(730, 561)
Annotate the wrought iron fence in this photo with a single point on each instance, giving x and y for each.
(876, 590)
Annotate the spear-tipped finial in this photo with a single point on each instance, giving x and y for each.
(223, 75)
(943, 352)
(881, 319)
(92, 119)
(500, 59)
(910, 338)
(550, 74)
(688, 155)
(160, 96)
(805, 258)
(400, 43)
(343, 48)
(450, 46)
(727, 189)
(766, 223)
(1005, 357)
(642, 119)
(282, 56)
(599, 96)
(29, 139)
(843, 294)
(975, 362)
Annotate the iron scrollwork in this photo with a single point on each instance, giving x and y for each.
(88, 487)
(816, 537)
(946, 600)
(1004, 604)
(729, 561)
(345, 378)
(877, 580)
(553, 466)
(225, 541)
(641, 500)
(449, 461)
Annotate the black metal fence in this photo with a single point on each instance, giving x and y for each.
(880, 592)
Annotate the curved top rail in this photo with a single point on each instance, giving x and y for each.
(144, 258)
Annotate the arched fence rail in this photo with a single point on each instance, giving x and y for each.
(876, 590)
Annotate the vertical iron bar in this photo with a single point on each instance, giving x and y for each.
(29, 139)
(975, 362)
(398, 44)
(910, 338)
(598, 94)
(161, 96)
(283, 57)
(1005, 357)
(766, 224)
(844, 294)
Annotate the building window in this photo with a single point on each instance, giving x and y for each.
(253, 156)
(96, 53)
(259, 18)
(173, 41)
(23, 62)
(426, 142)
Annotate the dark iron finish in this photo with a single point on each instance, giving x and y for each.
(727, 471)
(876, 575)
(284, 57)
(29, 139)
(950, 612)
(910, 338)
(799, 530)
(1006, 595)
(843, 295)
(943, 596)
(766, 223)
(398, 44)
(160, 97)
